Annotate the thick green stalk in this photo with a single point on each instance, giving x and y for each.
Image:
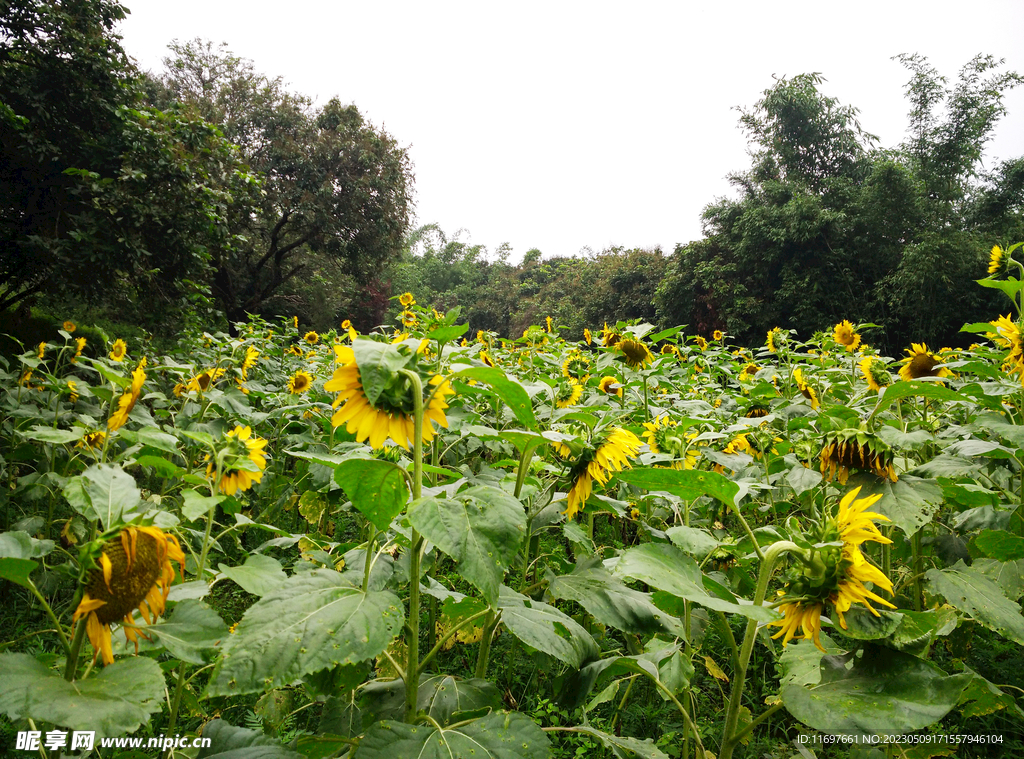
(76, 645)
(729, 734)
(485, 645)
(412, 664)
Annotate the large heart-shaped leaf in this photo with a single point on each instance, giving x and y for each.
(496, 736)
(378, 363)
(311, 621)
(113, 701)
(545, 628)
(688, 484)
(509, 390)
(481, 528)
(191, 631)
(377, 488)
(908, 502)
(971, 591)
(230, 742)
(258, 575)
(440, 696)
(103, 492)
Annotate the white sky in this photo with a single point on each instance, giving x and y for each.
(558, 125)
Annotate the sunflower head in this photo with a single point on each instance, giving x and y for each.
(133, 570)
(635, 353)
(668, 349)
(567, 392)
(717, 336)
(1008, 335)
(547, 322)
(920, 362)
(119, 350)
(311, 338)
(486, 358)
(758, 409)
(608, 452)
(407, 300)
(128, 398)
(997, 261)
(664, 436)
(610, 386)
(42, 350)
(777, 339)
(240, 461)
(205, 380)
(805, 388)
(79, 347)
(874, 373)
(701, 342)
(857, 449)
(609, 337)
(346, 325)
(251, 355)
(69, 326)
(577, 367)
(300, 382)
(845, 334)
(92, 441)
(588, 337)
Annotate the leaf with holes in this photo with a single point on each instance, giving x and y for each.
(545, 628)
(496, 736)
(972, 592)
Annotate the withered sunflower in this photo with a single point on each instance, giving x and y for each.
(246, 447)
(845, 335)
(392, 416)
(853, 448)
(636, 354)
(300, 382)
(920, 362)
(135, 572)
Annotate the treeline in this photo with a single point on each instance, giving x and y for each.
(187, 198)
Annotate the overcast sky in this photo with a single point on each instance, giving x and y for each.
(560, 126)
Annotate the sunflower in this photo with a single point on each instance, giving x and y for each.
(243, 447)
(997, 260)
(1008, 335)
(547, 321)
(119, 350)
(853, 448)
(844, 334)
(605, 386)
(663, 436)
(800, 616)
(42, 350)
(588, 337)
(717, 335)
(406, 299)
(636, 354)
(873, 370)
(701, 342)
(668, 349)
(79, 347)
(576, 367)
(251, 354)
(128, 398)
(776, 339)
(749, 371)
(567, 392)
(135, 571)
(807, 390)
(739, 444)
(609, 337)
(757, 410)
(92, 440)
(392, 416)
(69, 326)
(346, 325)
(311, 337)
(597, 463)
(921, 363)
(72, 391)
(205, 380)
(408, 319)
(299, 382)
(486, 358)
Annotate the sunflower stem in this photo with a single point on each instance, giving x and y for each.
(368, 560)
(412, 664)
(76, 646)
(647, 412)
(483, 657)
(53, 617)
(730, 736)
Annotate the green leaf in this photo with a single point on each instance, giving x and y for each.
(861, 624)
(667, 568)
(108, 493)
(481, 528)
(378, 363)
(578, 684)
(1010, 286)
(880, 691)
(982, 697)
(688, 484)
(1001, 545)
(496, 736)
(191, 632)
(50, 435)
(972, 592)
(545, 628)
(907, 389)
(230, 742)
(693, 541)
(919, 628)
(17, 570)
(440, 696)
(1008, 575)
(196, 504)
(164, 468)
(377, 488)
(154, 437)
(114, 700)
(610, 602)
(447, 334)
(258, 575)
(802, 479)
(311, 621)
(908, 502)
(509, 390)
(18, 544)
(624, 747)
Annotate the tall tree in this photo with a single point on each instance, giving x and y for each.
(333, 184)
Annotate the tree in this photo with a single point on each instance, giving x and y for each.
(333, 185)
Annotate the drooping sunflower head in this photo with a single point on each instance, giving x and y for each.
(311, 337)
(802, 620)
(920, 362)
(588, 336)
(300, 382)
(757, 410)
(567, 392)
(547, 322)
(874, 373)
(241, 461)
(134, 570)
(845, 334)
(856, 449)
(128, 398)
(997, 261)
(251, 355)
(79, 347)
(664, 436)
(635, 353)
(609, 337)
(608, 452)
(577, 367)
(92, 441)
(701, 342)
(535, 335)
(668, 349)
(777, 339)
(749, 371)
(486, 358)
(1008, 335)
(805, 388)
(610, 386)
(205, 380)
(407, 300)
(119, 350)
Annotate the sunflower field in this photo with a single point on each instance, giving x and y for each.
(423, 542)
